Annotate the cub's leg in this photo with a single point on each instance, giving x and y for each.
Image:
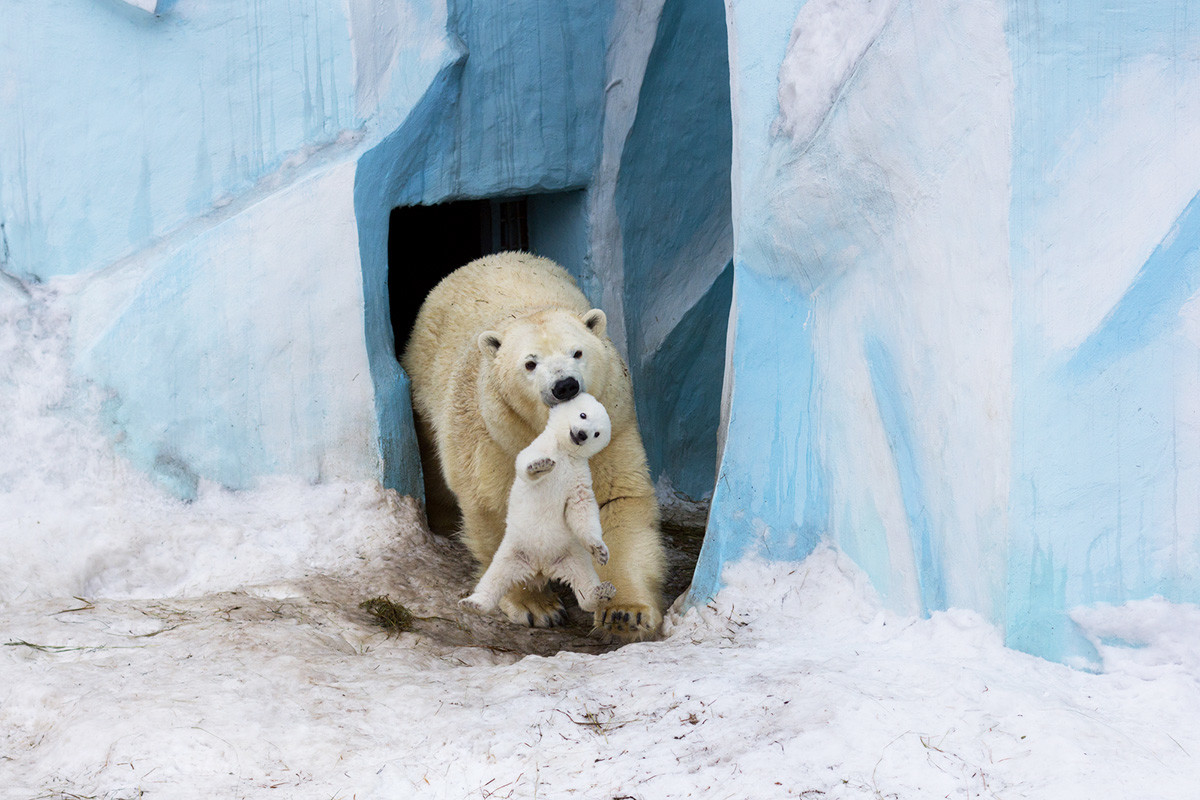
(505, 572)
(583, 518)
(527, 603)
(576, 569)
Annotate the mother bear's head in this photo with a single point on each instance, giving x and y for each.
(537, 360)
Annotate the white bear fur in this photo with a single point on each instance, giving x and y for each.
(552, 530)
(477, 405)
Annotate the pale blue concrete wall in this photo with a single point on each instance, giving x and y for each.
(966, 315)
(1106, 262)
(194, 170)
(673, 199)
(211, 185)
(120, 126)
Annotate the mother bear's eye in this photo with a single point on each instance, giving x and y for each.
(579, 354)
(531, 365)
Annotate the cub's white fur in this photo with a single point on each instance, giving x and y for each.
(553, 525)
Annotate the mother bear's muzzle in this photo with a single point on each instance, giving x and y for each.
(564, 389)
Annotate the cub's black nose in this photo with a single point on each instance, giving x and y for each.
(565, 389)
(578, 436)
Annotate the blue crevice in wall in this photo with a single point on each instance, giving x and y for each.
(673, 196)
(681, 391)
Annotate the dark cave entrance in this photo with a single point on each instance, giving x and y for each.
(426, 243)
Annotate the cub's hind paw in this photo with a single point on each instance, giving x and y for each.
(474, 604)
(539, 467)
(591, 597)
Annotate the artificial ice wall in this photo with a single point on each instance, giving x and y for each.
(966, 331)
(962, 242)
(210, 185)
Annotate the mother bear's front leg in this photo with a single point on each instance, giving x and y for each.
(635, 567)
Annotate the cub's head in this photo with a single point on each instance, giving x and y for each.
(551, 355)
(581, 426)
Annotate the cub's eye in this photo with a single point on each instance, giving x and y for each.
(583, 416)
(531, 365)
(579, 354)
(596, 434)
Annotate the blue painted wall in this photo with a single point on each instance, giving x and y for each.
(966, 303)
(194, 171)
(121, 126)
(1104, 453)
(218, 181)
(491, 124)
(673, 199)
(769, 498)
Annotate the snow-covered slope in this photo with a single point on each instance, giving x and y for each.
(152, 648)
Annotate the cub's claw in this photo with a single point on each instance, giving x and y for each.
(590, 598)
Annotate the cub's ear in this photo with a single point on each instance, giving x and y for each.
(489, 343)
(595, 321)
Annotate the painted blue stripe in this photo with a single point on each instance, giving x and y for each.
(1151, 305)
(894, 412)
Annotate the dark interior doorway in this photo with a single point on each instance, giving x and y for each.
(426, 243)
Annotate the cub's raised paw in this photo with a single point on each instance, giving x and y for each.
(633, 622)
(536, 608)
(600, 553)
(605, 591)
(539, 467)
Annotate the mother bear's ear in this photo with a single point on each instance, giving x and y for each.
(595, 321)
(489, 343)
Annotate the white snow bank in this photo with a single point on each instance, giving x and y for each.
(793, 682)
(75, 519)
(1148, 639)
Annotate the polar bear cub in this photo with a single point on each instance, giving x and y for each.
(553, 525)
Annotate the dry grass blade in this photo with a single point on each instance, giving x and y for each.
(46, 648)
(87, 606)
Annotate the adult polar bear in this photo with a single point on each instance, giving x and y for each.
(495, 344)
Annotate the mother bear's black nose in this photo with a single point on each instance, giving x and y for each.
(565, 389)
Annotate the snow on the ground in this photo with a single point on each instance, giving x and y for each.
(215, 650)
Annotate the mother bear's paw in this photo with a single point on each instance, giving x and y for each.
(536, 608)
(627, 622)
